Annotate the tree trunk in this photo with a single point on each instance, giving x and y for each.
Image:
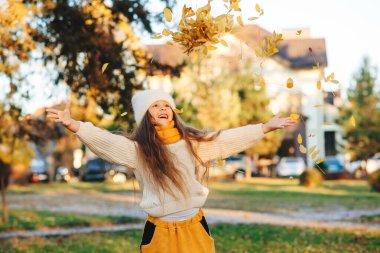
(4, 213)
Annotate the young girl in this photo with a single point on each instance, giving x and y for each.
(167, 158)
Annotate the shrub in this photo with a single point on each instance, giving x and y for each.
(311, 177)
(374, 180)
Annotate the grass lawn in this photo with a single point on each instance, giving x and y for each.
(25, 219)
(285, 195)
(228, 239)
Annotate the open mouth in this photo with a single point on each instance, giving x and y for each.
(163, 116)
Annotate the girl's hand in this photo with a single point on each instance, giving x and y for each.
(277, 123)
(63, 117)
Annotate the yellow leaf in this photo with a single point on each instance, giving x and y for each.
(169, 43)
(302, 149)
(224, 43)
(168, 14)
(320, 160)
(123, 114)
(220, 162)
(240, 21)
(319, 84)
(289, 83)
(165, 32)
(353, 121)
(178, 111)
(299, 138)
(252, 18)
(257, 7)
(312, 149)
(299, 32)
(334, 81)
(317, 106)
(262, 81)
(327, 123)
(157, 36)
(315, 153)
(105, 65)
(294, 116)
(89, 22)
(209, 47)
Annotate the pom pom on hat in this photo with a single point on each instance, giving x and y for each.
(144, 99)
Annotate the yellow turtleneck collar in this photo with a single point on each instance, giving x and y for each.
(168, 134)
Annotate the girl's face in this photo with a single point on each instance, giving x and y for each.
(161, 112)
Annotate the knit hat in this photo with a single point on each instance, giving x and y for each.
(144, 99)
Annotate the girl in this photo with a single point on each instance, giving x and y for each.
(167, 158)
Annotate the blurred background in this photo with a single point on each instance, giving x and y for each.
(319, 177)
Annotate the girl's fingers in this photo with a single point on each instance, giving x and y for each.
(52, 110)
(52, 116)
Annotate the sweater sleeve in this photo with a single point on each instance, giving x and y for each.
(229, 142)
(110, 147)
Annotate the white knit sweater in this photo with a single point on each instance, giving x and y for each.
(120, 150)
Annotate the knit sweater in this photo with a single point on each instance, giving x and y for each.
(118, 149)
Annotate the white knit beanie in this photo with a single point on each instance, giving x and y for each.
(144, 99)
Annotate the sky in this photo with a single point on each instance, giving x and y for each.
(350, 28)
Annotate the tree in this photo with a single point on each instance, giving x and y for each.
(360, 116)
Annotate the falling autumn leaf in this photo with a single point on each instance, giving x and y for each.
(327, 123)
(178, 111)
(294, 116)
(165, 32)
(302, 149)
(123, 114)
(353, 121)
(240, 21)
(319, 84)
(320, 160)
(315, 153)
(168, 15)
(312, 149)
(224, 43)
(289, 83)
(105, 65)
(220, 162)
(299, 138)
(299, 32)
(262, 81)
(252, 18)
(317, 106)
(334, 81)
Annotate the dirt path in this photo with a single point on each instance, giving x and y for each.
(127, 204)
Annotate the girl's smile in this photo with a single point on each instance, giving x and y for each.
(161, 112)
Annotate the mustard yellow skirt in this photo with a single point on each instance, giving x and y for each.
(188, 236)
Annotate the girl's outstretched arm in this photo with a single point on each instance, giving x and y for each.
(110, 147)
(236, 140)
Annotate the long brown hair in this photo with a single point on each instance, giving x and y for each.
(157, 158)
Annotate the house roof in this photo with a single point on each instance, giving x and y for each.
(294, 53)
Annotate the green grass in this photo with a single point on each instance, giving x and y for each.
(228, 239)
(285, 195)
(128, 186)
(26, 220)
(371, 218)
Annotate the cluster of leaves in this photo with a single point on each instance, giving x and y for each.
(199, 30)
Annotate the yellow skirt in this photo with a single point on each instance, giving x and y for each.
(188, 236)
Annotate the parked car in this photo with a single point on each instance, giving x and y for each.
(233, 167)
(373, 164)
(290, 167)
(38, 170)
(98, 169)
(357, 169)
(334, 168)
(95, 170)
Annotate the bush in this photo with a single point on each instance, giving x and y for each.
(374, 180)
(311, 177)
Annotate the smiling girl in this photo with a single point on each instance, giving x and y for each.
(167, 158)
